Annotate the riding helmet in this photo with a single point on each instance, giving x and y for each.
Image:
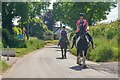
(63, 26)
(81, 14)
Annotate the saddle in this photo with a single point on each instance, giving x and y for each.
(64, 40)
(79, 36)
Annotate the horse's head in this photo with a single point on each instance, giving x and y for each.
(82, 30)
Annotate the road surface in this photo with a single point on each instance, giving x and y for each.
(46, 63)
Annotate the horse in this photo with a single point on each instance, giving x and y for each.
(82, 45)
(63, 45)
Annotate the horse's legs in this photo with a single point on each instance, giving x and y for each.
(84, 58)
(65, 50)
(78, 57)
(62, 52)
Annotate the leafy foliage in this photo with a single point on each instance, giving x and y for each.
(48, 20)
(68, 12)
(31, 45)
(39, 29)
(11, 41)
(27, 11)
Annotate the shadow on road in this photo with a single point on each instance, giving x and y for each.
(60, 50)
(60, 58)
(77, 68)
(52, 47)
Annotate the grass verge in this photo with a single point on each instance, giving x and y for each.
(3, 67)
(32, 45)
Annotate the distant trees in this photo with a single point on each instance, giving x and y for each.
(48, 20)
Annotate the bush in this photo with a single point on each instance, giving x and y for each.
(38, 28)
(51, 42)
(106, 30)
(32, 45)
(49, 35)
(104, 50)
(101, 53)
(17, 30)
(111, 32)
(11, 41)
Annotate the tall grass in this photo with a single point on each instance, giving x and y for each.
(3, 66)
(106, 50)
(32, 44)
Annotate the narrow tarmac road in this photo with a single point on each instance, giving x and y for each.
(46, 63)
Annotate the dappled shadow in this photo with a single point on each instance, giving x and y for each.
(76, 68)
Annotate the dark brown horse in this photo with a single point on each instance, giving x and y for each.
(63, 45)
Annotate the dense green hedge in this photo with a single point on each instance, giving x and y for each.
(105, 37)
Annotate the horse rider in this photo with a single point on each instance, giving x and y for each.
(82, 22)
(63, 34)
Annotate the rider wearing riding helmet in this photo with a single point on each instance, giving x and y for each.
(82, 22)
(63, 33)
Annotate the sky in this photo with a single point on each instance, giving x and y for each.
(113, 15)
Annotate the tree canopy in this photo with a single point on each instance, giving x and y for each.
(27, 11)
(68, 12)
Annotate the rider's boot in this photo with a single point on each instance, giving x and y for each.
(93, 46)
(58, 43)
(91, 40)
(74, 41)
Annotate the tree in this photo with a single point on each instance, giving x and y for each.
(26, 10)
(68, 12)
(11, 9)
(48, 20)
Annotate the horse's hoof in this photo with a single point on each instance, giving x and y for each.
(65, 57)
(78, 63)
(85, 66)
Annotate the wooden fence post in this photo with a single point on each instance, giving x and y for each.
(7, 53)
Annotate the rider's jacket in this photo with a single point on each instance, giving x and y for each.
(81, 23)
(63, 33)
